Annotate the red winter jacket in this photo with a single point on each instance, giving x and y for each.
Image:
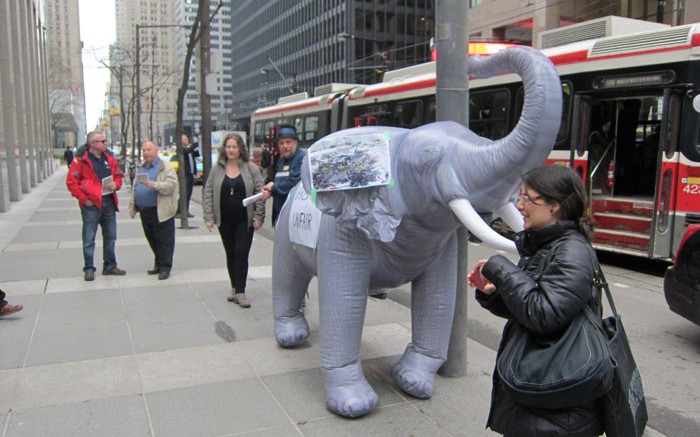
(83, 183)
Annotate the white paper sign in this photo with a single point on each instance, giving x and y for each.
(350, 162)
(304, 218)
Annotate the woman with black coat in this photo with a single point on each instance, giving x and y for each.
(551, 284)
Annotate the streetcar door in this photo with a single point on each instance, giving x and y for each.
(579, 136)
(666, 162)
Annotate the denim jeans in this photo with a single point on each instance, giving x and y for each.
(107, 219)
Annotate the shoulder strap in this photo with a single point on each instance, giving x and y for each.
(600, 282)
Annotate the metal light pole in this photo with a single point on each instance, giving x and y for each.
(204, 66)
(452, 93)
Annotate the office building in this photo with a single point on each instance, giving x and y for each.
(25, 130)
(287, 46)
(65, 77)
(155, 85)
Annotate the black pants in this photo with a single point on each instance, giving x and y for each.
(160, 236)
(189, 181)
(277, 204)
(237, 239)
(3, 302)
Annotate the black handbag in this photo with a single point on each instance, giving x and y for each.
(624, 407)
(561, 370)
(557, 371)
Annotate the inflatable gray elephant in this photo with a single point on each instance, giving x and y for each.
(390, 202)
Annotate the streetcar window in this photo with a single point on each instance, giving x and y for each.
(373, 115)
(409, 114)
(488, 113)
(674, 119)
(566, 103)
(311, 128)
(268, 128)
(690, 132)
(431, 111)
(260, 133)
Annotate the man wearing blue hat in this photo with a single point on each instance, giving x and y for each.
(288, 169)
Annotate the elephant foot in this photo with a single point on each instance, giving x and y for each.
(348, 393)
(291, 331)
(415, 373)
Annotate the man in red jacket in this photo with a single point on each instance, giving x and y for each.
(94, 178)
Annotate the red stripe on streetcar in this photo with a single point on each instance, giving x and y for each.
(287, 108)
(569, 58)
(426, 83)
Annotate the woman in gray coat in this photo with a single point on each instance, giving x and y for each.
(231, 180)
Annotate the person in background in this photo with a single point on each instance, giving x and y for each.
(551, 284)
(231, 180)
(68, 155)
(155, 199)
(288, 170)
(7, 308)
(265, 157)
(598, 144)
(190, 151)
(94, 179)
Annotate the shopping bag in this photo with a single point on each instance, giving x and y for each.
(624, 407)
(625, 410)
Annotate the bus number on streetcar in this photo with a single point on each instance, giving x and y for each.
(692, 185)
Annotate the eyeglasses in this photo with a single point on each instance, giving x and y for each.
(524, 197)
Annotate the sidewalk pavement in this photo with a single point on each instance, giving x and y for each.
(135, 356)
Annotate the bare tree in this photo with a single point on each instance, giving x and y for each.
(160, 79)
(60, 97)
(121, 68)
(195, 34)
(121, 65)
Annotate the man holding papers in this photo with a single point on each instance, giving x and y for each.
(94, 179)
(155, 199)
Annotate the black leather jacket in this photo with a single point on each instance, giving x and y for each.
(544, 292)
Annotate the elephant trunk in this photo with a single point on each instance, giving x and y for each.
(530, 142)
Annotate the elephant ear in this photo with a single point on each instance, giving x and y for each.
(349, 176)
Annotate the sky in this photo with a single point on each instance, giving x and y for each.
(97, 31)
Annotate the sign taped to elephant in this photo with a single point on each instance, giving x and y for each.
(350, 161)
(304, 218)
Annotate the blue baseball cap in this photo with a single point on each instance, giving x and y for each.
(286, 132)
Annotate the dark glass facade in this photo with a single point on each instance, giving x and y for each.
(317, 42)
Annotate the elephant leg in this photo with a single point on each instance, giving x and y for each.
(290, 281)
(432, 311)
(344, 268)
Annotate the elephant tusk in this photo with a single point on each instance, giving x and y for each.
(510, 214)
(470, 218)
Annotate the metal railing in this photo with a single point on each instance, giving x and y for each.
(593, 172)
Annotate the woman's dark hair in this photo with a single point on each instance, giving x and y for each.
(241, 146)
(560, 184)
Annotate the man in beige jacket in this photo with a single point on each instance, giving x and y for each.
(155, 198)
